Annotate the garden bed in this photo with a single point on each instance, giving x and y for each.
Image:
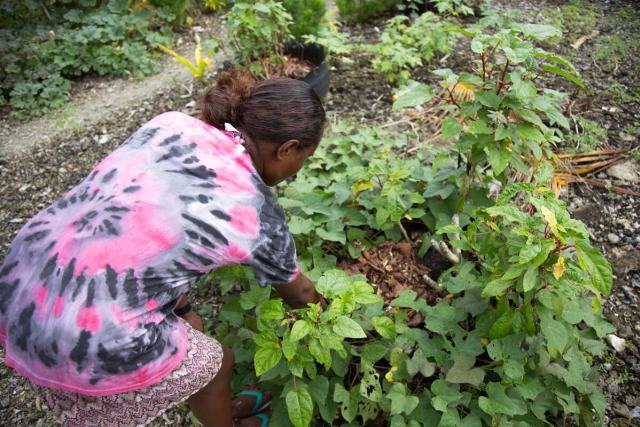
(36, 178)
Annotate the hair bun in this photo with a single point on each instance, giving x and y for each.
(220, 103)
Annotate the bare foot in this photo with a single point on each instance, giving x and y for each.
(242, 405)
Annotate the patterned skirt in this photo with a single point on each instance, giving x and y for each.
(139, 407)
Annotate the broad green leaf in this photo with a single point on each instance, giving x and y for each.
(529, 252)
(531, 117)
(555, 333)
(528, 132)
(319, 389)
(348, 328)
(400, 402)
(451, 128)
(440, 318)
(530, 388)
(374, 351)
(489, 99)
(463, 372)
(495, 287)
(530, 279)
(298, 225)
(300, 406)
(301, 329)
(479, 127)
(498, 402)
(333, 234)
(406, 299)
(413, 96)
(266, 339)
(563, 73)
(498, 158)
(419, 363)
(271, 310)
(538, 31)
(596, 265)
(522, 89)
(503, 326)
(513, 369)
(384, 326)
(444, 393)
(266, 358)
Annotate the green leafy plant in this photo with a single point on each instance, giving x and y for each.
(362, 10)
(404, 46)
(457, 7)
(513, 340)
(258, 32)
(307, 16)
(201, 63)
(40, 58)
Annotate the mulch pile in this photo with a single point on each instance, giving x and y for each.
(392, 268)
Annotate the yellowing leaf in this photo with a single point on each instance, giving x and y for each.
(189, 21)
(389, 375)
(558, 268)
(550, 217)
(463, 91)
(362, 185)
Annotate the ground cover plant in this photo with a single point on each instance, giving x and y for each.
(44, 47)
(511, 331)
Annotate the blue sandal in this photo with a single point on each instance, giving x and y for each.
(264, 418)
(258, 407)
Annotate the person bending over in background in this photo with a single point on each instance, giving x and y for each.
(92, 306)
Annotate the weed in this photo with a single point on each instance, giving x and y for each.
(587, 135)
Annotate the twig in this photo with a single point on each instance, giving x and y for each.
(404, 232)
(501, 82)
(453, 99)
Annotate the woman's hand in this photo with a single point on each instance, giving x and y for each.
(300, 293)
(194, 320)
(183, 309)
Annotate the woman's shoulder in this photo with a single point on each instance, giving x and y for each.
(175, 118)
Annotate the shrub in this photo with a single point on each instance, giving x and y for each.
(38, 60)
(404, 46)
(307, 16)
(259, 30)
(512, 342)
(362, 10)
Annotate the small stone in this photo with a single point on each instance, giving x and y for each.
(617, 343)
(622, 410)
(103, 139)
(608, 366)
(626, 171)
(613, 238)
(635, 412)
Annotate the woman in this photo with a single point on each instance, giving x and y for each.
(92, 288)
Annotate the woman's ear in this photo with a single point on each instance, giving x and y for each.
(287, 149)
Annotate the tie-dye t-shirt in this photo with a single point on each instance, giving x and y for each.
(88, 286)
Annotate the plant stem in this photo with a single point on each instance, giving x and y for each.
(501, 82)
(453, 99)
(404, 232)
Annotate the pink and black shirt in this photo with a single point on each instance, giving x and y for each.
(88, 286)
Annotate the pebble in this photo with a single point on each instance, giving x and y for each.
(608, 366)
(622, 410)
(635, 412)
(613, 238)
(617, 343)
